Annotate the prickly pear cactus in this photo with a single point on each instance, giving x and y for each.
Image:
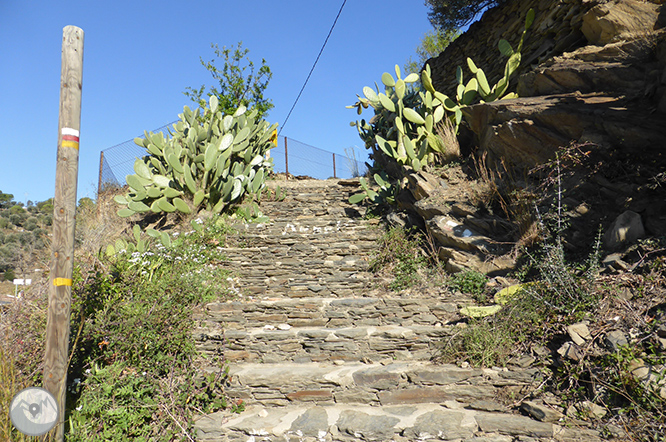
(208, 161)
(404, 121)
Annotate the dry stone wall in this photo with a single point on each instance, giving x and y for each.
(556, 29)
(560, 26)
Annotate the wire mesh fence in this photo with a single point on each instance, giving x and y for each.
(290, 156)
(116, 162)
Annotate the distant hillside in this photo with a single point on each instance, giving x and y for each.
(24, 235)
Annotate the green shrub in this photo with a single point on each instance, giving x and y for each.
(9, 275)
(16, 219)
(469, 282)
(133, 374)
(400, 255)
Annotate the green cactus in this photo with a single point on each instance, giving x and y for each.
(404, 121)
(386, 194)
(139, 244)
(498, 91)
(402, 128)
(208, 161)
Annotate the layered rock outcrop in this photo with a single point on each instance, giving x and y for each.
(593, 81)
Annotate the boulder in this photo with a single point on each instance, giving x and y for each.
(541, 412)
(450, 233)
(457, 261)
(616, 20)
(421, 184)
(615, 339)
(589, 69)
(626, 229)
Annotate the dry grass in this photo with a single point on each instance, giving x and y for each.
(499, 187)
(98, 226)
(446, 132)
(22, 329)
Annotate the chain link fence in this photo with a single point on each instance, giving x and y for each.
(290, 156)
(116, 162)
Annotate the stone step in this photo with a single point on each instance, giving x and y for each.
(312, 183)
(271, 344)
(298, 254)
(332, 312)
(298, 289)
(338, 197)
(310, 227)
(386, 383)
(363, 241)
(398, 423)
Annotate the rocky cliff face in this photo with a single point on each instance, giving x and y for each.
(560, 26)
(593, 88)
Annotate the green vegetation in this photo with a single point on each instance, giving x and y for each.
(411, 127)
(134, 351)
(209, 162)
(432, 44)
(403, 128)
(386, 195)
(469, 282)
(131, 373)
(237, 83)
(23, 234)
(401, 255)
(448, 15)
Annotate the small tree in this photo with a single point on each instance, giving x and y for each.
(6, 200)
(432, 44)
(451, 15)
(238, 84)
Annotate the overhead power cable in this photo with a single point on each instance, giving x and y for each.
(313, 67)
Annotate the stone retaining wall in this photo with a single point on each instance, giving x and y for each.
(556, 29)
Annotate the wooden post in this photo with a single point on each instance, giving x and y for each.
(64, 210)
(286, 160)
(334, 176)
(101, 168)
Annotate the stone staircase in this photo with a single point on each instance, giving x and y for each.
(318, 352)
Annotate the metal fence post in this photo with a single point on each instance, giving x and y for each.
(334, 175)
(101, 167)
(286, 159)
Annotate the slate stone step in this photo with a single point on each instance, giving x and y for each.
(316, 344)
(308, 227)
(398, 423)
(331, 312)
(386, 383)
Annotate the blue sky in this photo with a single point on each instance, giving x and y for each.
(139, 57)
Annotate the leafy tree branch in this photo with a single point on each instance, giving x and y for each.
(238, 82)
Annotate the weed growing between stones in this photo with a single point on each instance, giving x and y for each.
(627, 387)
(131, 373)
(618, 379)
(470, 282)
(401, 255)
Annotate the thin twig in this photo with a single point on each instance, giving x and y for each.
(177, 423)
